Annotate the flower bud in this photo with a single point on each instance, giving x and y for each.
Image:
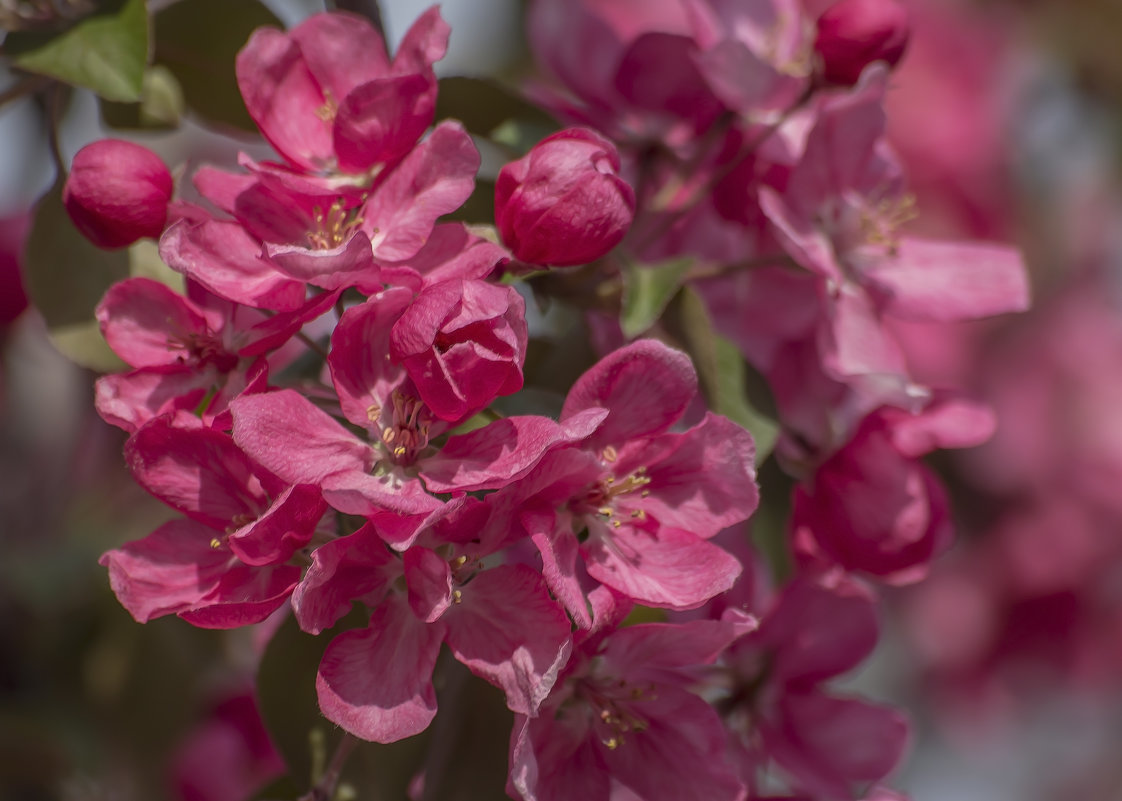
(563, 203)
(117, 192)
(854, 33)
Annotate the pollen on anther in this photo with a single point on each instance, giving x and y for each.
(605, 510)
(373, 412)
(457, 597)
(215, 543)
(616, 523)
(610, 454)
(399, 451)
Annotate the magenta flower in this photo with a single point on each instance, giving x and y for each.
(873, 507)
(818, 628)
(117, 192)
(622, 719)
(329, 99)
(642, 500)
(226, 563)
(563, 203)
(183, 350)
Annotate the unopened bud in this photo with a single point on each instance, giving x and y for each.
(117, 192)
(854, 33)
(563, 203)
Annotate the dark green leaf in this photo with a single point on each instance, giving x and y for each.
(198, 41)
(66, 276)
(647, 289)
(488, 109)
(106, 52)
(723, 373)
(160, 107)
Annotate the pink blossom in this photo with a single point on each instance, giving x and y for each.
(563, 203)
(329, 99)
(182, 350)
(873, 507)
(854, 33)
(622, 720)
(225, 564)
(644, 500)
(818, 627)
(462, 343)
(117, 192)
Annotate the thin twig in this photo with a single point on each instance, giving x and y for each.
(325, 787)
(28, 86)
(312, 344)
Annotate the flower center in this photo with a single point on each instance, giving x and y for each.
(612, 703)
(407, 432)
(334, 226)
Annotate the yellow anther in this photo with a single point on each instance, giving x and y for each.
(605, 510)
(457, 597)
(399, 451)
(639, 514)
(612, 743)
(616, 523)
(216, 543)
(610, 480)
(460, 561)
(373, 412)
(388, 435)
(645, 493)
(610, 454)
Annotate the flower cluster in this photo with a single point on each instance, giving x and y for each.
(319, 402)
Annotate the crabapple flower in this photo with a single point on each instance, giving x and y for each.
(819, 627)
(873, 507)
(328, 97)
(643, 500)
(226, 563)
(117, 192)
(854, 33)
(463, 343)
(564, 203)
(622, 717)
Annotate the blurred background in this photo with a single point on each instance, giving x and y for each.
(1008, 657)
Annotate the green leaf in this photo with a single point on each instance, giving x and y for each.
(723, 373)
(66, 276)
(647, 289)
(198, 41)
(106, 52)
(488, 109)
(161, 104)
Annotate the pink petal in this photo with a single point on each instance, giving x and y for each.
(294, 440)
(507, 630)
(282, 97)
(176, 570)
(342, 50)
(359, 359)
(435, 178)
(424, 43)
(943, 281)
(142, 321)
(358, 567)
(429, 579)
(381, 121)
(502, 452)
(197, 471)
(129, 400)
(226, 260)
(286, 527)
(377, 683)
(702, 480)
(667, 567)
(830, 744)
(645, 386)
